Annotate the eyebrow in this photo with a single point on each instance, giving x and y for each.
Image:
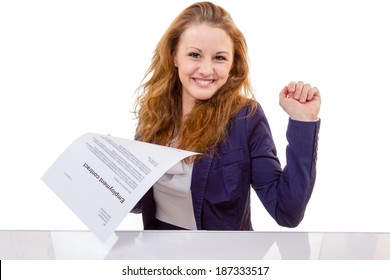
(199, 50)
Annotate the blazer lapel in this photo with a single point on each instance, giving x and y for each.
(200, 174)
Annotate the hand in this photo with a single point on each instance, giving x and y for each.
(301, 101)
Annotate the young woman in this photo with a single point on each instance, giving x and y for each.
(197, 97)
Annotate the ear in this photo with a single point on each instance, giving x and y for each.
(174, 59)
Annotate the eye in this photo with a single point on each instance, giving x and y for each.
(194, 55)
(220, 58)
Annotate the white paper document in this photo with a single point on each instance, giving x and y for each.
(101, 177)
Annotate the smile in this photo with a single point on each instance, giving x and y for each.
(203, 82)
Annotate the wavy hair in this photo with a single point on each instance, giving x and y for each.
(158, 105)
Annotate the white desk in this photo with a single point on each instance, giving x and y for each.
(201, 245)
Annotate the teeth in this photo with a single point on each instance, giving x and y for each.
(203, 82)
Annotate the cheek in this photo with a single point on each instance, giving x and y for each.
(183, 76)
(223, 73)
(185, 71)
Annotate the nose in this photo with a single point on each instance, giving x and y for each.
(206, 67)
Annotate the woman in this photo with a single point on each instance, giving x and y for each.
(198, 98)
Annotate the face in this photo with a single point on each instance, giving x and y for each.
(204, 57)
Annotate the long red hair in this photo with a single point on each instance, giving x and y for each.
(158, 105)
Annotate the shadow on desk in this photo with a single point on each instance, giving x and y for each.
(202, 245)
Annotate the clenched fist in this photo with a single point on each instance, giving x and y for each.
(301, 101)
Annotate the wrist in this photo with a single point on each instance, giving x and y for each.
(304, 118)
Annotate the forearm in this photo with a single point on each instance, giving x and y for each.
(299, 175)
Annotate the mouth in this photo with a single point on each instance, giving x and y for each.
(203, 82)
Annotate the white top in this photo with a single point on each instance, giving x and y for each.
(172, 195)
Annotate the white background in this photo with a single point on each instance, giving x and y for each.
(70, 67)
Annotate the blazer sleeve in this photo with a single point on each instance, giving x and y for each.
(284, 192)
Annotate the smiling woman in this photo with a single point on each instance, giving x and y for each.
(81, 75)
(198, 97)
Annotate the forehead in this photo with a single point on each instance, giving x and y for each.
(206, 37)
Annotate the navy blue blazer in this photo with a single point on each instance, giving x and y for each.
(221, 181)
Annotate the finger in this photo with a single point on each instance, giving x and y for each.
(298, 90)
(284, 93)
(312, 92)
(305, 90)
(291, 87)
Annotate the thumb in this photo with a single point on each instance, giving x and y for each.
(283, 93)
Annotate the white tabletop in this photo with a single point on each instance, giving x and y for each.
(201, 245)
